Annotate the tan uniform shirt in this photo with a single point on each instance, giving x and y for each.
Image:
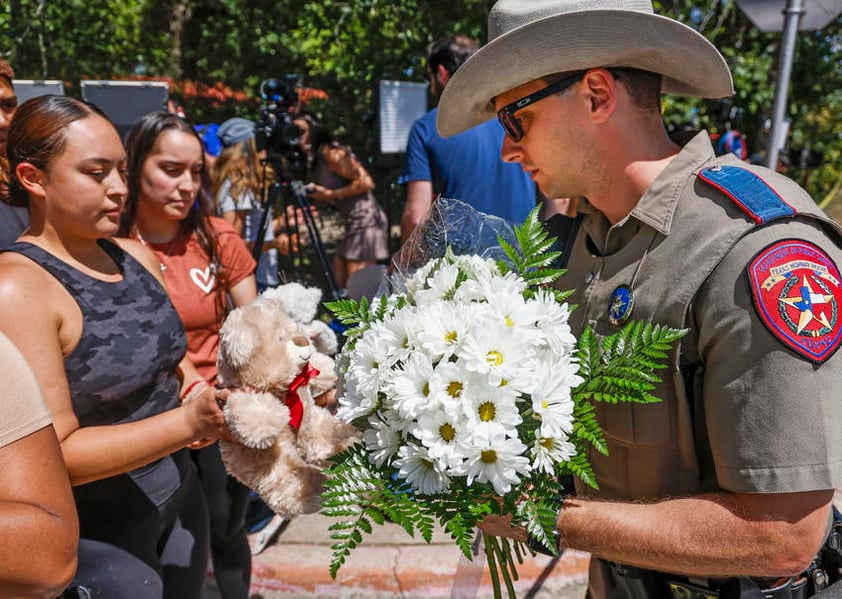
(763, 418)
(22, 409)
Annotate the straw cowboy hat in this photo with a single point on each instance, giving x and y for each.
(529, 39)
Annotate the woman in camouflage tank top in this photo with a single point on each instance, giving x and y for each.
(92, 317)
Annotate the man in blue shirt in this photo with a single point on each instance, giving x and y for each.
(468, 166)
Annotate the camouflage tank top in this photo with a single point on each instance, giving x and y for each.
(124, 367)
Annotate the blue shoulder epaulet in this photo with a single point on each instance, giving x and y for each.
(752, 194)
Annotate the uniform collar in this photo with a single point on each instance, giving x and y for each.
(657, 205)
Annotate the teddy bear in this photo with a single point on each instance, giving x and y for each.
(282, 438)
(302, 304)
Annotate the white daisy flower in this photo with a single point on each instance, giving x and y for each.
(485, 289)
(553, 322)
(512, 310)
(408, 387)
(445, 325)
(496, 351)
(549, 451)
(552, 402)
(354, 402)
(399, 335)
(497, 460)
(418, 280)
(493, 409)
(443, 434)
(420, 470)
(451, 383)
(441, 285)
(382, 440)
(367, 362)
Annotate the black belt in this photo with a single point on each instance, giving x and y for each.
(640, 583)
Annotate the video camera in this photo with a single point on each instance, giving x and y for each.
(276, 132)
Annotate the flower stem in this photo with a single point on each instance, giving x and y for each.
(505, 563)
(492, 564)
(507, 554)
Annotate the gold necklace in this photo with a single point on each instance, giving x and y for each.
(161, 264)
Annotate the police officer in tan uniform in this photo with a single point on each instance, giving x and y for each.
(726, 486)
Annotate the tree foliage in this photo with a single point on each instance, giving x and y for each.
(346, 46)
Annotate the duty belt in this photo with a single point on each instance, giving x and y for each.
(639, 583)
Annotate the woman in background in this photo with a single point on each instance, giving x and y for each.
(338, 179)
(239, 180)
(92, 318)
(207, 268)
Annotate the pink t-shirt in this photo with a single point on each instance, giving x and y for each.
(191, 283)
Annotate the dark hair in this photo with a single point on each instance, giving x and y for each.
(6, 71)
(319, 134)
(450, 52)
(139, 144)
(38, 134)
(644, 87)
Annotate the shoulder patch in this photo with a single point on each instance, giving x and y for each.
(747, 190)
(796, 291)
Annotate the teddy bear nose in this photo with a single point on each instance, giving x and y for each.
(300, 341)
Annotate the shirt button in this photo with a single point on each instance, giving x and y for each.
(588, 278)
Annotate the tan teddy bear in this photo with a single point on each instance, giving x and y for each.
(284, 439)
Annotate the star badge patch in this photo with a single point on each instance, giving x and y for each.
(796, 291)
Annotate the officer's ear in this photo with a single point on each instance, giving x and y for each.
(601, 90)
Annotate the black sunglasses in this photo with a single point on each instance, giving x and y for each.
(506, 115)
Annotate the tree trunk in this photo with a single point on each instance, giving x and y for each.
(179, 15)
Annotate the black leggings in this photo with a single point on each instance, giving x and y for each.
(157, 551)
(227, 501)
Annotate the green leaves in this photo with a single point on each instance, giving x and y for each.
(619, 368)
(533, 257)
(622, 366)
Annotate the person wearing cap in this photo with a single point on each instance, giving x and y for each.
(13, 219)
(237, 192)
(467, 166)
(727, 483)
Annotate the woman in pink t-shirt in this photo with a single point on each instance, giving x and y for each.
(208, 269)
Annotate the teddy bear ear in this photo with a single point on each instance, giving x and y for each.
(238, 339)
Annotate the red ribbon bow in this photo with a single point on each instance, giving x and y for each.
(292, 400)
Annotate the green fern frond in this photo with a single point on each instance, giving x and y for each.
(580, 467)
(533, 253)
(461, 533)
(539, 518)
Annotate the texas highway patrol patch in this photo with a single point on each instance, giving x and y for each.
(796, 291)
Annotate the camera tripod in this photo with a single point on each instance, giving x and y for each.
(294, 194)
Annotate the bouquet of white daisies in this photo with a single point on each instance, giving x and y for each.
(474, 397)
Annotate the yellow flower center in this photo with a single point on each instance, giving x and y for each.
(544, 404)
(509, 322)
(546, 443)
(447, 432)
(494, 358)
(450, 337)
(487, 411)
(454, 389)
(488, 456)
(425, 391)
